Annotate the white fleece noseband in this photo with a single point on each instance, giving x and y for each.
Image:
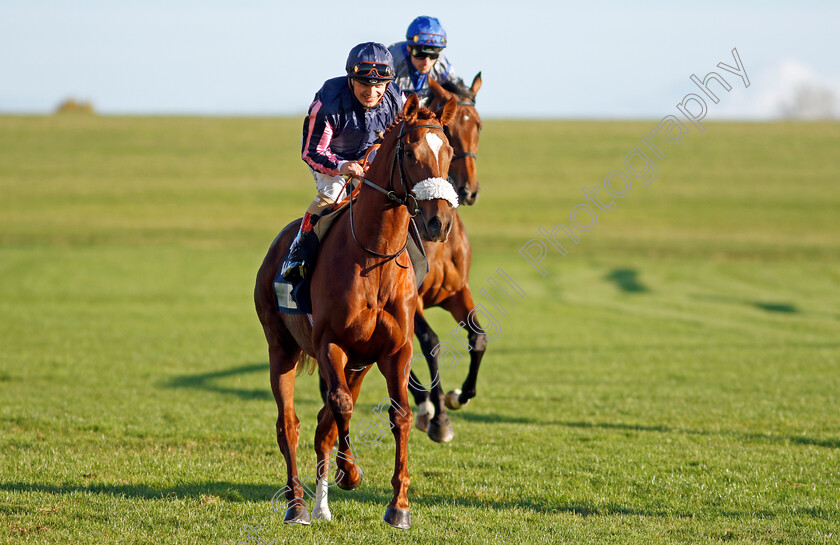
(436, 188)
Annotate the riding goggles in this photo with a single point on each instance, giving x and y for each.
(419, 54)
(373, 70)
(429, 39)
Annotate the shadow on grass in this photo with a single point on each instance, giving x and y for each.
(495, 418)
(693, 346)
(500, 419)
(583, 507)
(627, 280)
(766, 306)
(784, 308)
(382, 495)
(238, 492)
(797, 439)
(205, 381)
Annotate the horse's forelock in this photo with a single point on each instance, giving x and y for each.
(425, 114)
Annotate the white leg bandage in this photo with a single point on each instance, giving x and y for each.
(321, 510)
(426, 408)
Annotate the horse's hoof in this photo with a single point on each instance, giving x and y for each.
(349, 479)
(421, 422)
(398, 518)
(442, 431)
(297, 513)
(451, 400)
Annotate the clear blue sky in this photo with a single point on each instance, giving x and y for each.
(538, 58)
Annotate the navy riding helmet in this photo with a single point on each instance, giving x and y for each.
(370, 63)
(426, 34)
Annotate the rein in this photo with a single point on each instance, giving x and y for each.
(391, 194)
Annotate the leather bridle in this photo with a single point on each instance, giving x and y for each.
(391, 192)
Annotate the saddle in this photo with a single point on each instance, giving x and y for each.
(296, 299)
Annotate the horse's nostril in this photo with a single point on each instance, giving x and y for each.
(434, 226)
(470, 198)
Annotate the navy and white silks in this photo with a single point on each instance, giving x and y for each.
(410, 81)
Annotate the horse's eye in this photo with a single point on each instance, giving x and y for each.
(409, 154)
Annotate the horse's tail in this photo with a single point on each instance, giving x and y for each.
(306, 364)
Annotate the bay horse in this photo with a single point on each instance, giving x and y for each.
(463, 135)
(363, 301)
(446, 285)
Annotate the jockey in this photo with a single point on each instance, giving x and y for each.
(343, 122)
(421, 57)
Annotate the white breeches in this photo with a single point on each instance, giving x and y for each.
(332, 187)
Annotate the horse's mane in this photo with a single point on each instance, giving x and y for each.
(390, 127)
(425, 114)
(459, 88)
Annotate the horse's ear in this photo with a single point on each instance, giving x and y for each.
(412, 106)
(439, 92)
(447, 113)
(476, 84)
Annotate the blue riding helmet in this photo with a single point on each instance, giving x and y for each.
(370, 63)
(426, 33)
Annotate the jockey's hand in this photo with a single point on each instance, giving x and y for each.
(352, 168)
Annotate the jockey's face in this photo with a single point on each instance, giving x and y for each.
(368, 95)
(423, 65)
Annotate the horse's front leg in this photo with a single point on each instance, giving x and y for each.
(460, 306)
(395, 370)
(325, 437)
(340, 402)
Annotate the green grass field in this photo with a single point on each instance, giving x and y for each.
(674, 379)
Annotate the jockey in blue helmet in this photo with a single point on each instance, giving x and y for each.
(421, 56)
(341, 125)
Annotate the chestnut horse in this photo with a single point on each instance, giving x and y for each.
(446, 285)
(364, 294)
(449, 267)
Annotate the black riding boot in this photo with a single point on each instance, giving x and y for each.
(301, 259)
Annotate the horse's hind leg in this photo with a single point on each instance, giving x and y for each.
(438, 426)
(322, 387)
(425, 408)
(283, 358)
(325, 436)
(460, 306)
